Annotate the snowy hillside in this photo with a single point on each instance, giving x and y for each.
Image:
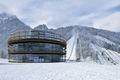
(8, 24)
(83, 43)
(58, 71)
(90, 44)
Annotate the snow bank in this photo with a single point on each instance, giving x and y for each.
(3, 60)
(59, 71)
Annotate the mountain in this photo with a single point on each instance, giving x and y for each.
(90, 44)
(41, 27)
(8, 24)
(83, 43)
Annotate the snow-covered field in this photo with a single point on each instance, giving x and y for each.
(58, 71)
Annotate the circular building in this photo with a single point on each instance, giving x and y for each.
(36, 46)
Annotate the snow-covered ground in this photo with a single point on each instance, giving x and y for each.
(58, 71)
(3, 61)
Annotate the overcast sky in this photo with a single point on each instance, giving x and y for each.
(104, 14)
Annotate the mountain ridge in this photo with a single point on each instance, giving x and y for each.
(90, 43)
(8, 24)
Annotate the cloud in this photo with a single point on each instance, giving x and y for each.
(110, 22)
(57, 13)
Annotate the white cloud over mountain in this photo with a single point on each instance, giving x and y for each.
(111, 22)
(57, 13)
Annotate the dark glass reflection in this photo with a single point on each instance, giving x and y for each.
(36, 47)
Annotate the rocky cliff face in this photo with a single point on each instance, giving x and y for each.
(41, 27)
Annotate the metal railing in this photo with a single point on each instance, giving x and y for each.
(36, 35)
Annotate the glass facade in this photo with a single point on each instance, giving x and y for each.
(22, 47)
(36, 47)
(37, 35)
(35, 58)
